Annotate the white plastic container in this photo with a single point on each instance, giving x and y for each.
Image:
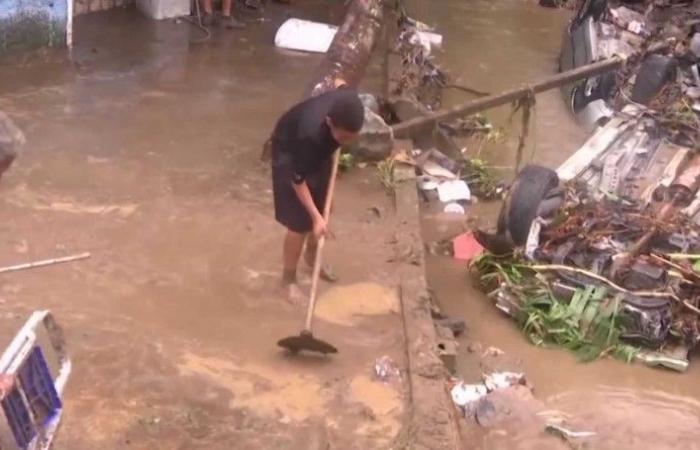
(297, 34)
(307, 36)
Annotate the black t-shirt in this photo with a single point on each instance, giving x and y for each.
(302, 140)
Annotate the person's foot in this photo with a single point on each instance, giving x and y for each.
(231, 23)
(208, 20)
(326, 274)
(294, 294)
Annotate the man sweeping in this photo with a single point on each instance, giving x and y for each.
(303, 143)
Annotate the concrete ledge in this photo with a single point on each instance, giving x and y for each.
(431, 421)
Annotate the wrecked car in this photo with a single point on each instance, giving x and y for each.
(603, 252)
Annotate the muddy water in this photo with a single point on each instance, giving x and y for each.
(143, 148)
(492, 45)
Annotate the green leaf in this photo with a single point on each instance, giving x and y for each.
(696, 266)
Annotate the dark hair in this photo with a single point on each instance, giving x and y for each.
(347, 111)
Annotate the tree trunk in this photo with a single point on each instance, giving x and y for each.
(348, 54)
(352, 47)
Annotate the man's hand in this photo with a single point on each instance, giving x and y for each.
(320, 227)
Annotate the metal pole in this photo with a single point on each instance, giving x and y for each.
(404, 129)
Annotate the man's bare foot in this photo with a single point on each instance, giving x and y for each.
(326, 273)
(231, 23)
(208, 20)
(294, 294)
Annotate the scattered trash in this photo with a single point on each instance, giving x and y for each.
(456, 326)
(490, 405)
(657, 359)
(475, 347)
(466, 247)
(438, 158)
(304, 35)
(427, 183)
(454, 208)
(453, 190)
(567, 434)
(44, 263)
(436, 170)
(500, 380)
(386, 369)
(493, 351)
(466, 396)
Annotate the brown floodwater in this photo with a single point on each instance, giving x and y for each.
(143, 149)
(492, 45)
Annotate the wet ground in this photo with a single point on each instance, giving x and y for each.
(144, 150)
(492, 46)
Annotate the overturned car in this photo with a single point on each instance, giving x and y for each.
(607, 247)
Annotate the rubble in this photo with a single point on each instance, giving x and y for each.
(596, 257)
(385, 369)
(474, 399)
(591, 287)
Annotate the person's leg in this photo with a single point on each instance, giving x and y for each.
(291, 251)
(208, 17)
(229, 21)
(310, 258)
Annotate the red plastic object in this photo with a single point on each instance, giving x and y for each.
(465, 247)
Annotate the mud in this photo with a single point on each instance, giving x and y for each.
(144, 150)
(347, 305)
(628, 406)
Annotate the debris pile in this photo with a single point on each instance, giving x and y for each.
(600, 276)
(660, 43)
(471, 399)
(601, 256)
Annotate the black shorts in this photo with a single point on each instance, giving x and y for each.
(289, 211)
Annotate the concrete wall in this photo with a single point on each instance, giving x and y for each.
(28, 24)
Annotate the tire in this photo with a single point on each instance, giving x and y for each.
(656, 71)
(531, 186)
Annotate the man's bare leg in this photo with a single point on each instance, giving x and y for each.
(293, 243)
(229, 21)
(291, 251)
(208, 18)
(310, 258)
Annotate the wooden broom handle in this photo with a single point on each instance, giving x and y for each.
(322, 240)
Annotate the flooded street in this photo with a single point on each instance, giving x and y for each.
(493, 46)
(144, 149)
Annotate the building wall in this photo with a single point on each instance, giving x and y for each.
(28, 24)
